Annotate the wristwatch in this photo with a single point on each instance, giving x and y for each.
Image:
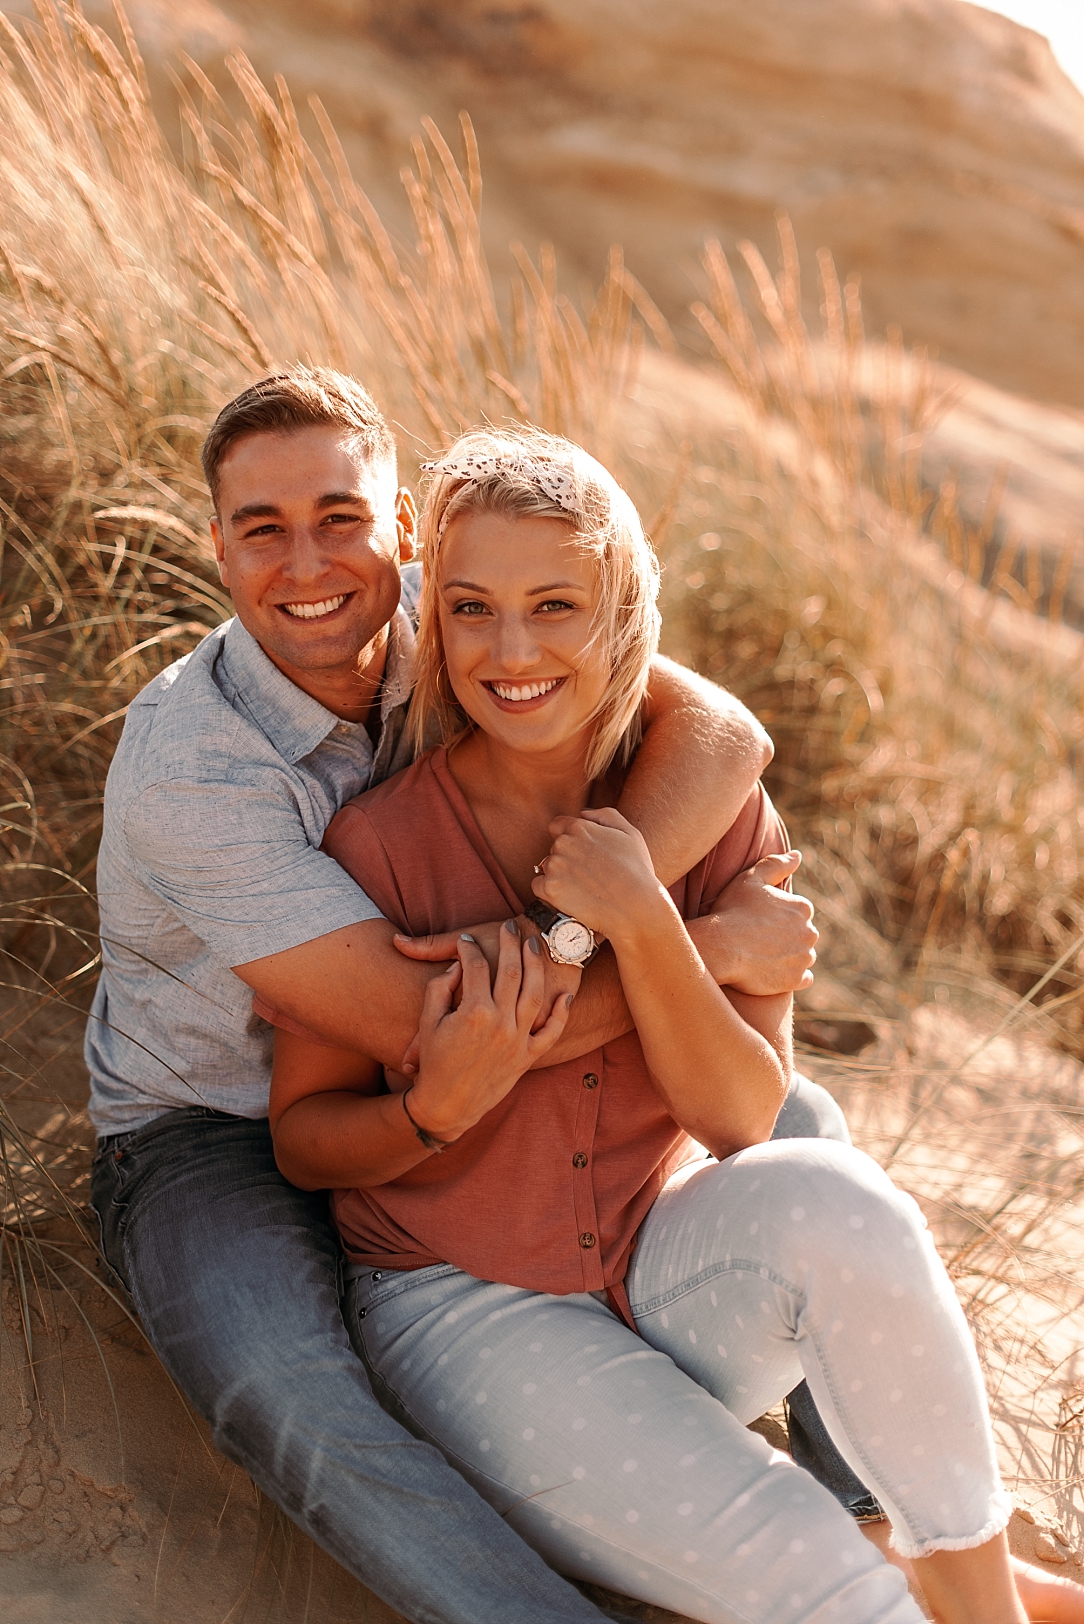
(568, 941)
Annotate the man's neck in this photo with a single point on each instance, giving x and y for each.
(351, 692)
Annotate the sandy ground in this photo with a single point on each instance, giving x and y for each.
(116, 1509)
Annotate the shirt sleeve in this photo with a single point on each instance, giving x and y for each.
(756, 832)
(410, 589)
(359, 851)
(232, 861)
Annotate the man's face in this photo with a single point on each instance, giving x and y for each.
(309, 536)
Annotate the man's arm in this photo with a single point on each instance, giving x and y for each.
(759, 939)
(351, 987)
(702, 753)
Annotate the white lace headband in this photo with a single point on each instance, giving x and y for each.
(557, 483)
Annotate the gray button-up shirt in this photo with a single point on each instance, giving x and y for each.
(224, 782)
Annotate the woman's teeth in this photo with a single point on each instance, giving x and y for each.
(313, 611)
(531, 690)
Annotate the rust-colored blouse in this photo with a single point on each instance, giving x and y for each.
(548, 1190)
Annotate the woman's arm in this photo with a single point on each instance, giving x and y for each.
(722, 1065)
(332, 1129)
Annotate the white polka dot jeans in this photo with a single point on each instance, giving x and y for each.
(624, 1459)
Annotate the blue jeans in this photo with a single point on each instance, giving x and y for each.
(235, 1276)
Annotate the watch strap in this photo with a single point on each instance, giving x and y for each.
(541, 914)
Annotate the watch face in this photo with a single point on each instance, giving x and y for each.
(571, 940)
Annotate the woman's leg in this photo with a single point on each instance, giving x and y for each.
(610, 1461)
(803, 1255)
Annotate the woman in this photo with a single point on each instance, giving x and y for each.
(547, 1277)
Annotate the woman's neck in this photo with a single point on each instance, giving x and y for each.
(515, 797)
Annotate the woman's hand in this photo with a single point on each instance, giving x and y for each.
(599, 871)
(472, 1056)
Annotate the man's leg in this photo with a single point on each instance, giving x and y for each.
(810, 1112)
(235, 1276)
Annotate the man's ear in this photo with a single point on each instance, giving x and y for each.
(406, 523)
(220, 552)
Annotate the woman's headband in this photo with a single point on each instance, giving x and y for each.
(475, 468)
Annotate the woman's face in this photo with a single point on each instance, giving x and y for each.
(517, 600)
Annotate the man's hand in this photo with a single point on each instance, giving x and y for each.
(758, 938)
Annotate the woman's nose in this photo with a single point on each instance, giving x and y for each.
(517, 646)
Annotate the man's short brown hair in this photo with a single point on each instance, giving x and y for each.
(298, 398)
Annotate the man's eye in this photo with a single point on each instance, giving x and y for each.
(261, 531)
(343, 518)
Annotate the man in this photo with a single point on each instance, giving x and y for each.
(212, 887)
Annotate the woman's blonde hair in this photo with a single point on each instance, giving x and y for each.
(521, 474)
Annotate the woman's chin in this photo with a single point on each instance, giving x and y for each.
(532, 742)
(532, 733)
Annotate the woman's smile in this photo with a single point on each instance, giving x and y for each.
(523, 696)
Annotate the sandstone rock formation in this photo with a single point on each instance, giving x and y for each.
(936, 148)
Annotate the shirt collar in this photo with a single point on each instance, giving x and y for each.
(294, 722)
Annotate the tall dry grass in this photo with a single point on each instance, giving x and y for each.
(926, 714)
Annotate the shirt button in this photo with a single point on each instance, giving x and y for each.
(579, 1160)
(587, 1240)
(590, 1080)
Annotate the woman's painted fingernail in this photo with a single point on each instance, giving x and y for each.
(511, 926)
(466, 937)
(532, 943)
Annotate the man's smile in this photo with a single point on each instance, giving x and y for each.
(315, 611)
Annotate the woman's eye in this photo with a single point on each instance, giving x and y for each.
(470, 607)
(555, 606)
